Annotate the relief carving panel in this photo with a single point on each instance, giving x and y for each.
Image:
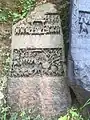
(30, 62)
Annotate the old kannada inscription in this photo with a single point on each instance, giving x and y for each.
(48, 25)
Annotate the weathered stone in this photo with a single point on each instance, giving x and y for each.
(38, 72)
(79, 53)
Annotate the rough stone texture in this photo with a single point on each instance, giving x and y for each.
(49, 94)
(38, 73)
(79, 53)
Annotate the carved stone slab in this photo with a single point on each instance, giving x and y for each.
(37, 76)
(79, 54)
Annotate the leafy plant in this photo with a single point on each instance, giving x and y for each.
(27, 5)
(3, 112)
(20, 12)
(14, 116)
(85, 105)
(75, 113)
(3, 15)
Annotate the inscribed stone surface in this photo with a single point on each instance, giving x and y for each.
(37, 76)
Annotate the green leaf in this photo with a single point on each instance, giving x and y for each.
(14, 116)
(63, 118)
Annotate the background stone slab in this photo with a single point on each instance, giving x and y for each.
(79, 53)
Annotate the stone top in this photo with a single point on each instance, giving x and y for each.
(41, 10)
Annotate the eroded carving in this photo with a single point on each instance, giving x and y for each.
(30, 62)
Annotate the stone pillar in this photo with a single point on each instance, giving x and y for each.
(79, 53)
(38, 73)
